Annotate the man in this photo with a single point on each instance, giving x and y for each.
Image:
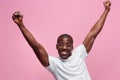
(71, 63)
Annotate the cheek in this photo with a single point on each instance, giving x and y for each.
(70, 48)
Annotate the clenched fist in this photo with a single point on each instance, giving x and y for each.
(107, 5)
(17, 17)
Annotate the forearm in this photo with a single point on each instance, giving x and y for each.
(89, 40)
(99, 24)
(28, 36)
(37, 47)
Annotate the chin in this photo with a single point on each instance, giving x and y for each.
(65, 57)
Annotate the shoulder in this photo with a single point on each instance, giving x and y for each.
(81, 47)
(53, 60)
(80, 50)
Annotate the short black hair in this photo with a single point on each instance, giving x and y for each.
(64, 35)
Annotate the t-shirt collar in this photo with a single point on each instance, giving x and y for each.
(68, 59)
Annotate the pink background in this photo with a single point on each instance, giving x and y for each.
(47, 19)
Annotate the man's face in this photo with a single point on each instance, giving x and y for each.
(64, 47)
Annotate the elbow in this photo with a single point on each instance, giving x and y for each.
(35, 46)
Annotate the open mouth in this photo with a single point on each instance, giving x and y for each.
(64, 53)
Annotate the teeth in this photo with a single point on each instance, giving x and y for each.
(64, 52)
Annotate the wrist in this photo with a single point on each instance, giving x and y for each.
(20, 24)
(107, 8)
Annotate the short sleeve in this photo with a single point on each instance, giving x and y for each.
(81, 50)
(51, 62)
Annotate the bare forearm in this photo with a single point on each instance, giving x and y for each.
(99, 24)
(90, 38)
(37, 48)
(28, 36)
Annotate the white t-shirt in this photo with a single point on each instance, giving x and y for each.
(73, 68)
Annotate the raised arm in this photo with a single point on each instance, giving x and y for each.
(37, 47)
(90, 38)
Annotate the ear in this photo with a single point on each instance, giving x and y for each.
(56, 46)
(72, 47)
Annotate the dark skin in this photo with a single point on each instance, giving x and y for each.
(64, 46)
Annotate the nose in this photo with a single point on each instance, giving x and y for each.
(64, 47)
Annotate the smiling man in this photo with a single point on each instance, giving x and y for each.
(64, 46)
(70, 65)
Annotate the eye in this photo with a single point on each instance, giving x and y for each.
(69, 45)
(60, 44)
